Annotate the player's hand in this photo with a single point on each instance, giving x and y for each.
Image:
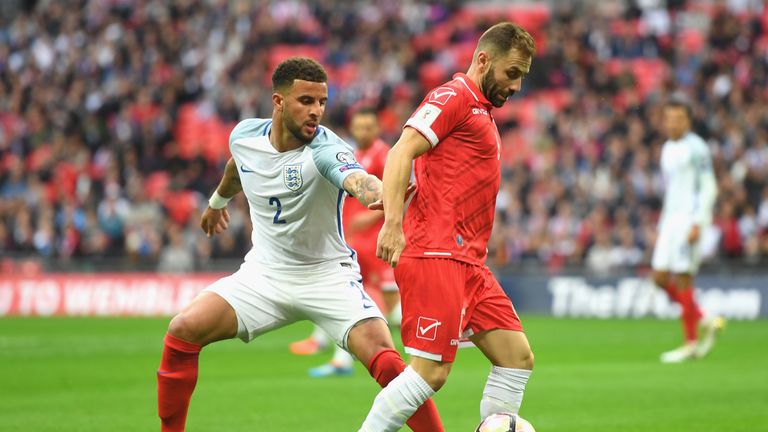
(214, 221)
(390, 243)
(379, 204)
(694, 234)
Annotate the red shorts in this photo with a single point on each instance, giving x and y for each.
(377, 273)
(444, 300)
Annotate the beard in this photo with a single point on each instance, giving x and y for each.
(491, 90)
(296, 130)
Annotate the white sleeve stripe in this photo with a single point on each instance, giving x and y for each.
(425, 130)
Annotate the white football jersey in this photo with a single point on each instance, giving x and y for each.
(295, 197)
(689, 181)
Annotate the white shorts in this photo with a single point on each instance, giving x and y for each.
(673, 253)
(331, 296)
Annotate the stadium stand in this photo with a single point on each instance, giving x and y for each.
(114, 118)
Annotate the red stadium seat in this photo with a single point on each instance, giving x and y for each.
(432, 74)
(156, 185)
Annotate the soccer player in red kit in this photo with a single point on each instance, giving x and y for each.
(439, 250)
(361, 229)
(361, 225)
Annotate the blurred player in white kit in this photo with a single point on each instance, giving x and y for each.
(689, 198)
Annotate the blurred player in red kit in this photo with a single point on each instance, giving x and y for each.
(439, 250)
(361, 229)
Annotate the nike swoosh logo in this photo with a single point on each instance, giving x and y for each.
(245, 170)
(429, 327)
(367, 306)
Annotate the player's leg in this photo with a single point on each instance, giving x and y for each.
(512, 363)
(691, 313)
(430, 332)
(696, 345)
(663, 280)
(207, 319)
(494, 327)
(227, 308)
(410, 403)
(671, 247)
(347, 313)
(342, 362)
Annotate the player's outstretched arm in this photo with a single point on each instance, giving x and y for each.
(397, 174)
(215, 218)
(363, 186)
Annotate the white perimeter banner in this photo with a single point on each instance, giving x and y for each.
(102, 294)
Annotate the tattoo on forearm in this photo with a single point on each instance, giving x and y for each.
(230, 183)
(368, 189)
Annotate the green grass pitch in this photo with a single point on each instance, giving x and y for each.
(83, 374)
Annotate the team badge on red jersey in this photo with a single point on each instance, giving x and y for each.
(427, 328)
(441, 95)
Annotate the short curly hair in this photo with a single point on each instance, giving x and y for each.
(302, 68)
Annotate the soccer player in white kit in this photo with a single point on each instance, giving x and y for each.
(689, 197)
(294, 174)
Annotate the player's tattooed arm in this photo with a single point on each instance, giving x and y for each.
(230, 183)
(365, 187)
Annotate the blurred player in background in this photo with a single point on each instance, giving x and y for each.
(690, 192)
(361, 228)
(294, 174)
(447, 291)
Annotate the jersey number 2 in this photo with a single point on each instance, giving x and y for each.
(276, 202)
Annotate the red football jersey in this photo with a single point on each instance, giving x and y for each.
(451, 214)
(373, 160)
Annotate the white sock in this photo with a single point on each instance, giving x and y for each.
(396, 315)
(319, 336)
(396, 402)
(342, 359)
(503, 391)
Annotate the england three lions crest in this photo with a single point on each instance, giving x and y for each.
(292, 177)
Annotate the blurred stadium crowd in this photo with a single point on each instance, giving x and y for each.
(114, 117)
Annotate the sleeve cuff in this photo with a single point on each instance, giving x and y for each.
(425, 130)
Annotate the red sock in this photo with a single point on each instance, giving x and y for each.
(176, 380)
(384, 367)
(691, 314)
(671, 291)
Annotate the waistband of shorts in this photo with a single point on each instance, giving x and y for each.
(308, 270)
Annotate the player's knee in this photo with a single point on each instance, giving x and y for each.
(526, 360)
(184, 328)
(437, 376)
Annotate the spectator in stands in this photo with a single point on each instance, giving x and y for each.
(141, 96)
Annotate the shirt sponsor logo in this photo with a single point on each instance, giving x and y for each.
(441, 95)
(478, 111)
(292, 177)
(426, 328)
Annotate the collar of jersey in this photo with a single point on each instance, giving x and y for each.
(269, 145)
(469, 85)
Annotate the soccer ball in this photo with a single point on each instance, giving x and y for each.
(504, 422)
